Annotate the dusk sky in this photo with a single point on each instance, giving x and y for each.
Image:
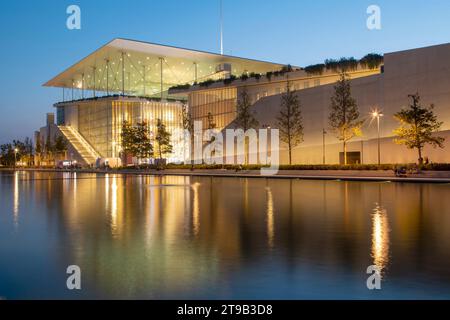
(36, 45)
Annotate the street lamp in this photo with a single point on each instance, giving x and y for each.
(377, 115)
(15, 157)
(324, 132)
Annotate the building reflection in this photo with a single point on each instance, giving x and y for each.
(380, 238)
(270, 218)
(196, 209)
(16, 200)
(179, 237)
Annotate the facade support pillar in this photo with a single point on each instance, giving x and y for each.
(143, 78)
(123, 73)
(195, 72)
(162, 83)
(107, 77)
(94, 70)
(82, 86)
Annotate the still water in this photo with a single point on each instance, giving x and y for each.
(221, 238)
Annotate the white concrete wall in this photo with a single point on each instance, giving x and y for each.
(425, 70)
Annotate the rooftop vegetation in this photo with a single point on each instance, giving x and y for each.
(369, 61)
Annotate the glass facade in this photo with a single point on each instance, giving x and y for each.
(221, 103)
(100, 122)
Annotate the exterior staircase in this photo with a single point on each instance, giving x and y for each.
(82, 147)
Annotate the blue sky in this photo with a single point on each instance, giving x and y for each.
(36, 45)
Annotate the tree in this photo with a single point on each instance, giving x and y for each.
(128, 139)
(211, 122)
(163, 139)
(136, 140)
(188, 124)
(49, 147)
(417, 127)
(38, 151)
(60, 146)
(245, 119)
(7, 156)
(290, 120)
(144, 147)
(344, 114)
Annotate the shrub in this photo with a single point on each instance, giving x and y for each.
(315, 69)
(332, 64)
(371, 61)
(206, 83)
(348, 64)
(229, 80)
(181, 87)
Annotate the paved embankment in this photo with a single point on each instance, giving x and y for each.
(347, 175)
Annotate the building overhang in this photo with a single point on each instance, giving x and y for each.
(146, 64)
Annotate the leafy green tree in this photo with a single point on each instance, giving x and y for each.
(418, 126)
(344, 114)
(143, 140)
(163, 139)
(290, 121)
(136, 140)
(7, 154)
(128, 139)
(60, 145)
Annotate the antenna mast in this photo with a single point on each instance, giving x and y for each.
(221, 28)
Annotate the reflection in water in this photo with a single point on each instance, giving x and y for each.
(380, 238)
(16, 199)
(270, 218)
(223, 238)
(114, 205)
(196, 209)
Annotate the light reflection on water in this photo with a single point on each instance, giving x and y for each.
(200, 237)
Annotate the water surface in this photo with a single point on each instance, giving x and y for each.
(221, 238)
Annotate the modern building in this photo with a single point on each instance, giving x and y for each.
(135, 81)
(130, 80)
(383, 88)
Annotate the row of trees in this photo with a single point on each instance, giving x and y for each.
(24, 152)
(138, 141)
(417, 124)
(16, 151)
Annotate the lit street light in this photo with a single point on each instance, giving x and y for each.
(377, 115)
(324, 132)
(15, 157)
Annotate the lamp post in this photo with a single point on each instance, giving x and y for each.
(377, 115)
(324, 132)
(15, 157)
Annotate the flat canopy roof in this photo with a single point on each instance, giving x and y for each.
(103, 70)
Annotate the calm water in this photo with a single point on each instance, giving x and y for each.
(181, 237)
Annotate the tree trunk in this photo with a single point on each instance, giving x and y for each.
(290, 154)
(420, 156)
(345, 153)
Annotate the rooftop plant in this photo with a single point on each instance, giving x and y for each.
(371, 61)
(316, 69)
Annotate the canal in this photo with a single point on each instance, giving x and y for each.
(175, 237)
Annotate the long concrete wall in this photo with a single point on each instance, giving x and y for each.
(425, 70)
